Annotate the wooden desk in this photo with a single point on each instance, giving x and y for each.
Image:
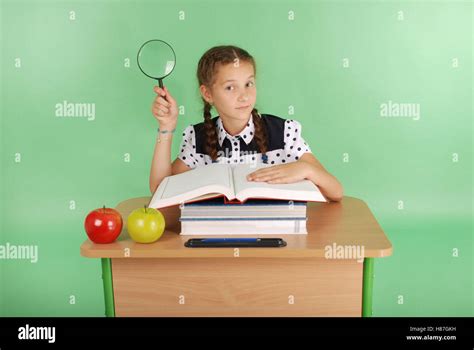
(167, 279)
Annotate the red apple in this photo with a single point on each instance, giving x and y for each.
(103, 225)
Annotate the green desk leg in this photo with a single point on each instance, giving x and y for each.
(367, 285)
(108, 287)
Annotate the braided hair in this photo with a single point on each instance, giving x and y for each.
(207, 68)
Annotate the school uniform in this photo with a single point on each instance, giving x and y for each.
(284, 143)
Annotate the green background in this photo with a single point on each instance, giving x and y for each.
(70, 166)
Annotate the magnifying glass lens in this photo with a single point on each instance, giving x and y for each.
(156, 59)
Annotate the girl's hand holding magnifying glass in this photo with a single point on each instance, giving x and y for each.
(165, 109)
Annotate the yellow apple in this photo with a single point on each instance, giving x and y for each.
(145, 225)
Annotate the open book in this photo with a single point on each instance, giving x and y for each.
(228, 180)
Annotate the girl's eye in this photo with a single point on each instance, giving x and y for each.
(230, 86)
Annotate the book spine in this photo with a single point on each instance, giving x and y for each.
(233, 201)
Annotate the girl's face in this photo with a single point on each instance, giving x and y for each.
(234, 87)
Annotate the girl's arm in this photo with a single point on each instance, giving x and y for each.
(306, 167)
(166, 113)
(161, 162)
(327, 183)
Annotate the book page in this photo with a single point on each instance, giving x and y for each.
(213, 178)
(240, 172)
(302, 190)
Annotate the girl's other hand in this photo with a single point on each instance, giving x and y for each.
(281, 173)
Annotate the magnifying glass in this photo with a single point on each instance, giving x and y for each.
(156, 59)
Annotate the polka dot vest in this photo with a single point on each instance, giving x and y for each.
(284, 142)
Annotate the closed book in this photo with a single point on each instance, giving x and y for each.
(250, 209)
(242, 227)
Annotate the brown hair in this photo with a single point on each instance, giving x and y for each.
(206, 71)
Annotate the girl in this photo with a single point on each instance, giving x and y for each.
(226, 76)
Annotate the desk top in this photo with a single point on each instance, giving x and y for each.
(338, 225)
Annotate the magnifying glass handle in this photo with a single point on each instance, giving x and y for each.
(160, 83)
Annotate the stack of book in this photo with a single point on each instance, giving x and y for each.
(254, 216)
(217, 199)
